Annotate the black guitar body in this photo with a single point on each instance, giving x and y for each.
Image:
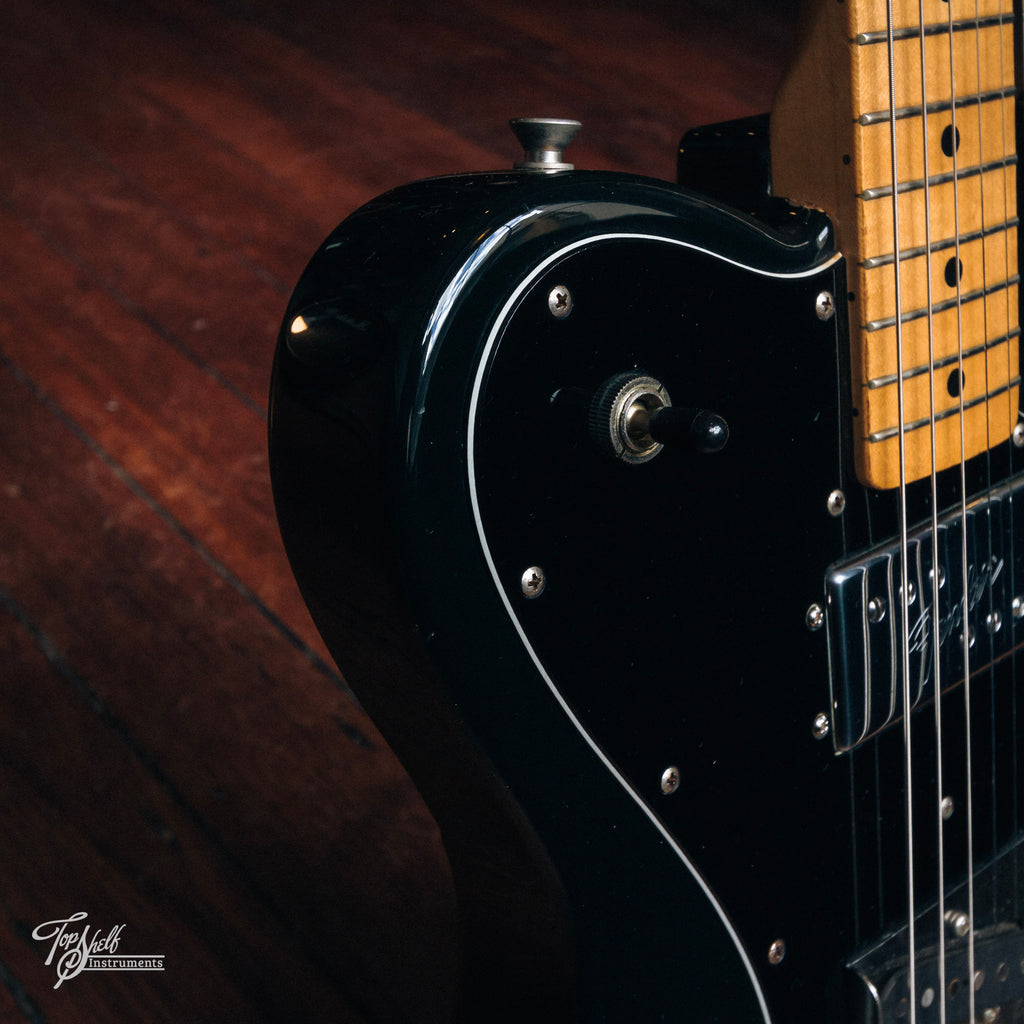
(611, 679)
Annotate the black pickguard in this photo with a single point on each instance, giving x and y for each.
(673, 617)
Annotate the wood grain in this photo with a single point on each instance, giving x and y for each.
(853, 158)
(179, 755)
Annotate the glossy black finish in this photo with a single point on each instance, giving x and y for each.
(698, 429)
(440, 446)
(690, 570)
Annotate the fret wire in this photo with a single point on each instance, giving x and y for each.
(935, 29)
(936, 106)
(884, 191)
(947, 243)
(953, 410)
(917, 371)
(938, 307)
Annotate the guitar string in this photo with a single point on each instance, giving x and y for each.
(1009, 569)
(1011, 416)
(1008, 529)
(965, 624)
(908, 771)
(988, 436)
(936, 564)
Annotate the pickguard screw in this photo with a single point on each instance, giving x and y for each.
(1018, 607)
(959, 923)
(836, 503)
(876, 609)
(1018, 435)
(560, 301)
(777, 952)
(946, 808)
(670, 778)
(825, 306)
(994, 621)
(821, 726)
(533, 581)
(815, 617)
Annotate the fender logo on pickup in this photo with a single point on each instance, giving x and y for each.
(979, 579)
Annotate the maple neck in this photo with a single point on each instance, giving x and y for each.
(904, 134)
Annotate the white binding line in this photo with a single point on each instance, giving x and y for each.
(471, 466)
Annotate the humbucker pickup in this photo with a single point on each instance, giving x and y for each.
(865, 613)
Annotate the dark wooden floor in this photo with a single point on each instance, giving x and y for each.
(178, 754)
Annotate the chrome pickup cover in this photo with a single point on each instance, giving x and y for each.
(864, 611)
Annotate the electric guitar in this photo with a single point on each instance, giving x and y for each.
(669, 535)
